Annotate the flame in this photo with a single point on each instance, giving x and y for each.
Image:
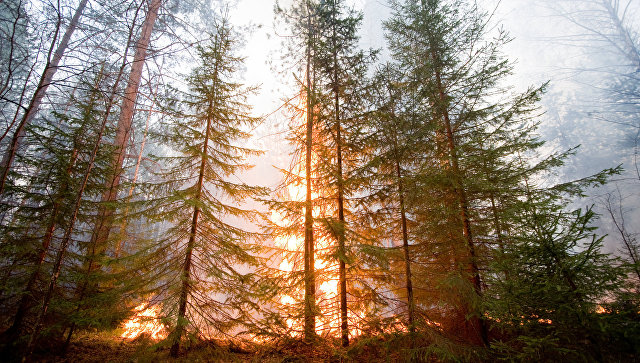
(327, 296)
(145, 321)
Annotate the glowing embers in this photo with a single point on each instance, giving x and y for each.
(146, 321)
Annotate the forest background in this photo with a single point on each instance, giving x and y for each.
(124, 74)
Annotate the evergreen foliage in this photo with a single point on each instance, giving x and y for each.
(421, 218)
(205, 251)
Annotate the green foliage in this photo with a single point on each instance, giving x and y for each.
(204, 253)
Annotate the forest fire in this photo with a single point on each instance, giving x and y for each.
(319, 180)
(326, 270)
(146, 321)
(327, 283)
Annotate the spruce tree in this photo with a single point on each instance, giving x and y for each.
(325, 48)
(203, 253)
(480, 154)
(392, 157)
(298, 216)
(341, 71)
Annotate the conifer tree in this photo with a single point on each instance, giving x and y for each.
(302, 21)
(392, 157)
(334, 84)
(341, 70)
(481, 152)
(205, 253)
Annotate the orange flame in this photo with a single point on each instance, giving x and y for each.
(145, 321)
(327, 321)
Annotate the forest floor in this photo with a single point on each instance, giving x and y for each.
(109, 347)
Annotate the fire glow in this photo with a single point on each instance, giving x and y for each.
(326, 271)
(145, 321)
(327, 294)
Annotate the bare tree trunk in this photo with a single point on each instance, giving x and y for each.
(309, 246)
(123, 131)
(628, 239)
(405, 242)
(45, 80)
(632, 52)
(123, 226)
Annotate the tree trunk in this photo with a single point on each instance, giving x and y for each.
(477, 324)
(45, 80)
(123, 226)
(123, 130)
(309, 246)
(186, 269)
(405, 246)
(342, 273)
(26, 300)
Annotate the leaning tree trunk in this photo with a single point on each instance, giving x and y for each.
(477, 323)
(36, 100)
(476, 326)
(405, 240)
(67, 236)
(186, 269)
(123, 130)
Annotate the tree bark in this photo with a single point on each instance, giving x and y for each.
(123, 130)
(405, 242)
(123, 225)
(309, 246)
(36, 100)
(186, 269)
